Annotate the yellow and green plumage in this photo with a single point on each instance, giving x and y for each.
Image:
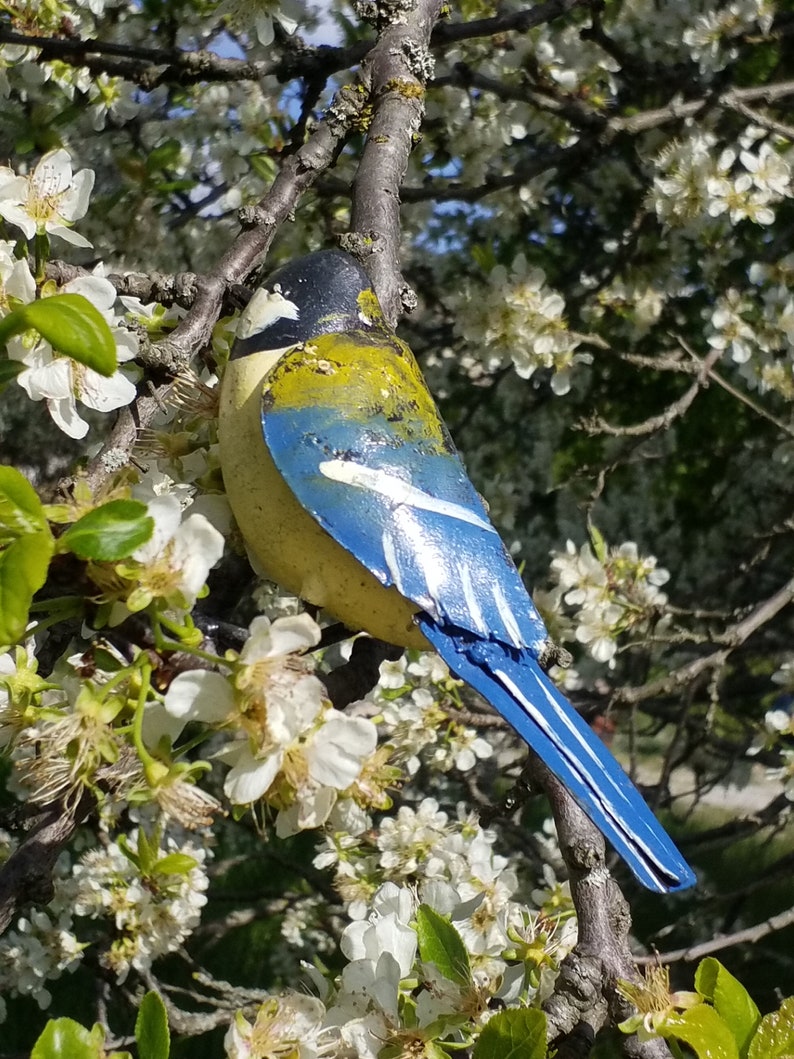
(349, 491)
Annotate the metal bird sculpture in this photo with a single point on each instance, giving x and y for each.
(350, 492)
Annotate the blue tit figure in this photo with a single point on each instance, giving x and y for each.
(349, 491)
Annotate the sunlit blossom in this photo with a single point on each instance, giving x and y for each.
(281, 724)
(152, 912)
(259, 16)
(517, 316)
(177, 558)
(289, 1025)
(609, 595)
(49, 199)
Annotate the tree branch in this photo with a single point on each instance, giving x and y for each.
(26, 877)
(663, 420)
(176, 289)
(734, 636)
(586, 987)
(750, 935)
(395, 72)
(150, 67)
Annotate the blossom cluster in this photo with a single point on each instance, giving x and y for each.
(389, 996)
(755, 327)
(713, 39)
(411, 696)
(609, 592)
(287, 744)
(39, 946)
(318, 769)
(696, 182)
(517, 317)
(148, 907)
(154, 903)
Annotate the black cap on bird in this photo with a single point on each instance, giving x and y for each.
(326, 288)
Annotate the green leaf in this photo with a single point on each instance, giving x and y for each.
(730, 999)
(440, 943)
(774, 1038)
(106, 661)
(67, 1039)
(12, 324)
(598, 543)
(164, 155)
(110, 532)
(262, 166)
(23, 570)
(9, 369)
(519, 1033)
(123, 843)
(704, 1031)
(147, 853)
(175, 864)
(72, 325)
(434, 1051)
(151, 1028)
(21, 511)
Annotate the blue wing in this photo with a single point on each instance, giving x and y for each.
(365, 451)
(360, 443)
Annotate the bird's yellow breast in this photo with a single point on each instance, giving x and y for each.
(292, 548)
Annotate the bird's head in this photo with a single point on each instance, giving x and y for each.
(320, 293)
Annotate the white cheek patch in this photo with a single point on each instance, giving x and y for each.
(398, 491)
(264, 309)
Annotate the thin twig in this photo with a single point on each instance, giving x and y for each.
(734, 636)
(663, 420)
(750, 936)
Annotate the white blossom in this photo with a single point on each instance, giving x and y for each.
(382, 949)
(174, 563)
(49, 200)
(713, 40)
(281, 724)
(608, 596)
(289, 1025)
(39, 947)
(259, 15)
(768, 170)
(694, 183)
(730, 331)
(16, 282)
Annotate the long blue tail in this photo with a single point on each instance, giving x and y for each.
(518, 688)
